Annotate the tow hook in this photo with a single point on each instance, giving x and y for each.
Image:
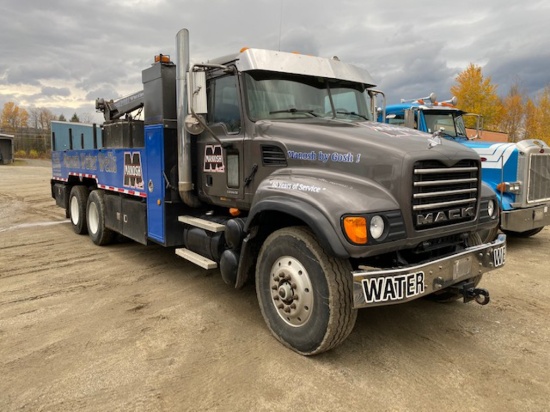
(470, 292)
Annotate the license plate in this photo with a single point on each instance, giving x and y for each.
(499, 256)
(462, 267)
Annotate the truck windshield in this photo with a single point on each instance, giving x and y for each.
(452, 123)
(271, 95)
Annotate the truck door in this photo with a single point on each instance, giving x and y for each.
(220, 160)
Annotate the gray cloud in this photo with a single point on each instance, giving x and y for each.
(96, 49)
(55, 91)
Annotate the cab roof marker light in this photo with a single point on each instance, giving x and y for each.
(162, 58)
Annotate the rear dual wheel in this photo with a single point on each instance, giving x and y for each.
(77, 209)
(95, 216)
(305, 295)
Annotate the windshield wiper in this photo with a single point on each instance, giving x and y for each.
(351, 113)
(294, 110)
(446, 134)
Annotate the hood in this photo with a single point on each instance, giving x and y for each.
(313, 140)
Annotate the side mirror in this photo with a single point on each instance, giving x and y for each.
(193, 124)
(196, 102)
(196, 93)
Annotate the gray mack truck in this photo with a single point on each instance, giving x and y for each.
(270, 168)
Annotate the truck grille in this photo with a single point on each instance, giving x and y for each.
(538, 185)
(444, 195)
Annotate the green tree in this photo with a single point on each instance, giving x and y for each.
(62, 118)
(477, 94)
(75, 118)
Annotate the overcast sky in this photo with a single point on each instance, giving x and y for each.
(64, 54)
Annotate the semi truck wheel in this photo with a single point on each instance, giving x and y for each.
(77, 209)
(95, 216)
(527, 233)
(305, 296)
(446, 296)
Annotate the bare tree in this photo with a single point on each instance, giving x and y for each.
(513, 113)
(40, 118)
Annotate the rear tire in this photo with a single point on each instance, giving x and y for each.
(447, 296)
(95, 217)
(77, 209)
(305, 295)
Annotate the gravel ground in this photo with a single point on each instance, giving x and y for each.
(129, 327)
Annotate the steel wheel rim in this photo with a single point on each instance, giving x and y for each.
(291, 291)
(75, 211)
(93, 218)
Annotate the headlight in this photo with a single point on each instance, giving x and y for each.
(376, 227)
(491, 208)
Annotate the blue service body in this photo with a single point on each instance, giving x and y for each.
(135, 174)
(518, 172)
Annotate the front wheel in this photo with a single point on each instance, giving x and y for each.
(95, 216)
(305, 295)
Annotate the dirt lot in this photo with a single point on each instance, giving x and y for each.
(129, 327)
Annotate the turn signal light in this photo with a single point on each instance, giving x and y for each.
(510, 187)
(163, 58)
(356, 229)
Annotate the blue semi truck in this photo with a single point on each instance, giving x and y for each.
(518, 172)
(271, 168)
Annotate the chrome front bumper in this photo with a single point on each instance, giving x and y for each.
(391, 286)
(521, 220)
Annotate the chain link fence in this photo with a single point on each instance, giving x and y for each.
(30, 143)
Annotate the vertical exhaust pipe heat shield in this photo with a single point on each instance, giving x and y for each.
(185, 177)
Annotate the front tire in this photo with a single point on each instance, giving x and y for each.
(305, 295)
(95, 217)
(526, 234)
(77, 209)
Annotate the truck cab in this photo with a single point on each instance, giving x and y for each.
(518, 172)
(270, 167)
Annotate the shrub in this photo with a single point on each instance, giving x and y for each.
(20, 153)
(33, 154)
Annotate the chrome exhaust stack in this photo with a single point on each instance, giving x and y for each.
(185, 181)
